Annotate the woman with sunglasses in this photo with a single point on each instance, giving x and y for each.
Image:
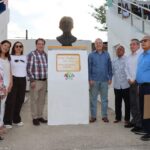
(16, 97)
(5, 64)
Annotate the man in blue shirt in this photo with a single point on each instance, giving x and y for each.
(100, 75)
(143, 78)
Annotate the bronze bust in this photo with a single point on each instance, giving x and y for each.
(66, 25)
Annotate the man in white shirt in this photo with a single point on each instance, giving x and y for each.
(121, 86)
(131, 67)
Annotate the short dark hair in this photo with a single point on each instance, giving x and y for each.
(136, 40)
(40, 39)
(13, 48)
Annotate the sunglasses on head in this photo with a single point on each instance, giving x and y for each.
(19, 46)
(17, 60)
(144, 40)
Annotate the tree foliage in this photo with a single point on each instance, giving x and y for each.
(100, 15)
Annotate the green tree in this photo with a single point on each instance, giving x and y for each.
(100, 15)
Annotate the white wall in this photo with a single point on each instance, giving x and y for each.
(4, 19)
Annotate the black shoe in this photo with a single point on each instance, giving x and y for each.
(145, 137)
(140, 132)
(136, 129)
(1, 138)
(42, 120)
(129, 125)
(36, 122)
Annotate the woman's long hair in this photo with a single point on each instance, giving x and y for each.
(13, 48)
(7, 54)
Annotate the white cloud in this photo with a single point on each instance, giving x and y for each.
(41, 17)
(16, 31)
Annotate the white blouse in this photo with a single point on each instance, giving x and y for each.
(18, 65)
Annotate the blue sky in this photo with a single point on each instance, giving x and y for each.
(41, 18)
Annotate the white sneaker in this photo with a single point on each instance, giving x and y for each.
(8, 126)
(18, 124)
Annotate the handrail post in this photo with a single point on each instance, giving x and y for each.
(131, 19)
(143, 26)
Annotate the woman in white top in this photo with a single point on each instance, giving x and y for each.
(5, 62)
(16, 97)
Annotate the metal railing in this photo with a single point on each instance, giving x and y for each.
(133, 14)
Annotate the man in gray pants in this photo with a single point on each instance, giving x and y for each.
(131, 68)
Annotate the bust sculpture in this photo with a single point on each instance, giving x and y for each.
(66, 25)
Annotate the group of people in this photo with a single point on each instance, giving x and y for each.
(14, 68)
(131, 82)
(130, 74)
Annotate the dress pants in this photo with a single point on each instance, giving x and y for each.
(134, 105)
(122, 94)
(37, 97)
(15, 100)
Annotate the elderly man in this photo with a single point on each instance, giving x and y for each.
(121, 85)
(143, 79)
(100, 75)
(131, 68)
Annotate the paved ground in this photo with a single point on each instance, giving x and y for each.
(96, 136)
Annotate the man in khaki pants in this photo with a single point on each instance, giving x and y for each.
(37, 73)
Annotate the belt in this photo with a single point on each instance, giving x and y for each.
(145, 84)
(41, 79)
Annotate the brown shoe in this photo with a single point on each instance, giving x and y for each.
(105, 119)
(126, 122)
(92, 119)
(3, 130)
(116, 121)
(129, 125)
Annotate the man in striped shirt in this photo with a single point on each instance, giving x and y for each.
(37, 73)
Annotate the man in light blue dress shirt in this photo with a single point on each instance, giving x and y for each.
(143, 79)
(121, 86)
(100, 75)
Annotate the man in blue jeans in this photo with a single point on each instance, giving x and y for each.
(100, 75)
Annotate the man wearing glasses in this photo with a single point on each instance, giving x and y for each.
(131, 68)
(37, 73)
(143, 79)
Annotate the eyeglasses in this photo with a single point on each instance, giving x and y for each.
(144, 40)
(19, 46)
(17, 60)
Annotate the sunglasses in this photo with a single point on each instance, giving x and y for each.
(19, 46)
(17, 60)
(144, 40)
